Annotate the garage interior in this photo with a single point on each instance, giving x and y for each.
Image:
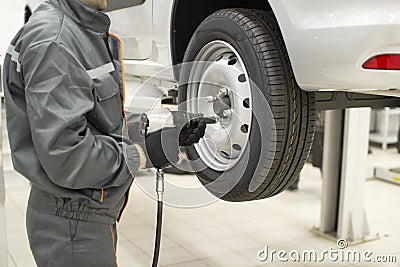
(365, 214)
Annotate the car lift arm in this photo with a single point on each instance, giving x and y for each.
(343, 100)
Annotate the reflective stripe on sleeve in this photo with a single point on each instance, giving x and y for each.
(99, 71)
(14, 56)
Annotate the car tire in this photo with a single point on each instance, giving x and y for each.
(276, 144)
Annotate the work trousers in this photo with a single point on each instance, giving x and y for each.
(61, 242)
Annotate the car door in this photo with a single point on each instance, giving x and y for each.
(131, 21)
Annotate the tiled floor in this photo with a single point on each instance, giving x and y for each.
(226, 234)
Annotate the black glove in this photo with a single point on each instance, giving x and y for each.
(192, 133)
(163, 147)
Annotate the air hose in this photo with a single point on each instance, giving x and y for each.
(160, 194)
(180, 119)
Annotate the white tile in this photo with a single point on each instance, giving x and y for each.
(206, 249)
(179, 229)
(185, 237)
(271, 236)
(285, 264)
(238, 243)
(14, 225)
(148, 217)
(176, 255)
(326, 263)
(147, 244)
(254, 226)
(289, 246)
(18, 250)
(129, 255)
(318, 243)
(195, 263)
(142, 260)
(25, 262)
(231, 260)
(167, 242)
(130, 223)
(250, 255)
(394, 241)
(382, 246)
(20, 195)
(141, 231)
(127, 248)
(218, 231)
(11, 262)
(14, 181)
(368, 264)
(17, 237)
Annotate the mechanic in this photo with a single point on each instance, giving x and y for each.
(69, 133)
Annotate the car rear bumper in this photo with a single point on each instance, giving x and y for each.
(328, 42)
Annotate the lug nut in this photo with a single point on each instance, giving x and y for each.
(210, 99)
(227, 113)
(223, 92)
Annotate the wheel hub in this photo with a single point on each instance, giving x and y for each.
(221, 106)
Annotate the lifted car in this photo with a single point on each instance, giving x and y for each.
(263, 67)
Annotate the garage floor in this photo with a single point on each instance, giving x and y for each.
(226, 234)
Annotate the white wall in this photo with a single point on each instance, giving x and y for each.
(11, 20)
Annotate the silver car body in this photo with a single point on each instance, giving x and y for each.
(327, 41)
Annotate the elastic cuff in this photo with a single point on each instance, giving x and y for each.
(132, 156)
(142, 156)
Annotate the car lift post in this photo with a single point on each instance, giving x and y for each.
(344, 174)
(3, 237)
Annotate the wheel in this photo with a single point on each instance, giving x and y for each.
(236, 68)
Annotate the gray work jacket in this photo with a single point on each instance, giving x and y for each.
(64, 93)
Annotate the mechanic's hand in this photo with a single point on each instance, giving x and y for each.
(192, 132)
(167, 131)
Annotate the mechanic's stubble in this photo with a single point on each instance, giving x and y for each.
(99, 5)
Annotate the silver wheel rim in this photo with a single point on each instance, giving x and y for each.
(219, 86)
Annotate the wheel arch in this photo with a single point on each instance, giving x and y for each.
(27, 13)
(184, 21)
